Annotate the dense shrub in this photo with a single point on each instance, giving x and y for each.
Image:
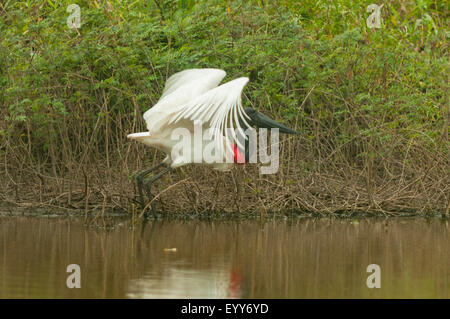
(371, 105)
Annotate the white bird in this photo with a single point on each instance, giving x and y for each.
(194, 98)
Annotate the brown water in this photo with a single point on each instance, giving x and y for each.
(304, 258)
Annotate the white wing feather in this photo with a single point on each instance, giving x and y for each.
(199, 79)
(180, 88)
(220, 106)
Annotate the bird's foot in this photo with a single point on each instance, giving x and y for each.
(146, 184)
(141, 181)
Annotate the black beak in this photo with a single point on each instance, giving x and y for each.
(260, 120)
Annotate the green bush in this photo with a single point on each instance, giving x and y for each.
(352, 92)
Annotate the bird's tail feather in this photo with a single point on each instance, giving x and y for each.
(138, 136)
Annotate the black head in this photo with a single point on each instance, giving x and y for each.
(257, 119)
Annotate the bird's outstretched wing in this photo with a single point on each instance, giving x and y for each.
(184, 86)
(197, 80)
(221, 107)
(180, 88)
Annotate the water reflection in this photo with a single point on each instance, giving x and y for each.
(304, 258)
(187, 283)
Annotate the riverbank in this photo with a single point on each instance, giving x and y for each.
(103, 217)
(369, 105)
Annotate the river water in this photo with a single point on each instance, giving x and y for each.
(299, 258)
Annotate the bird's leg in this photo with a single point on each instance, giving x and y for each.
(140, 179)
(149, 181)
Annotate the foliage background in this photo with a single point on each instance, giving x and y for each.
(371, 105)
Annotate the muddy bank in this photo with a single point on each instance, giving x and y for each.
(99, 216)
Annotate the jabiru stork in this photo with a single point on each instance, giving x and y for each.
(195, 96)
